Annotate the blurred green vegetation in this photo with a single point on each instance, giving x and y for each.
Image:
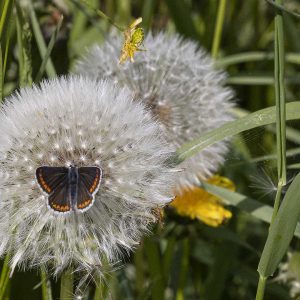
(182, 259)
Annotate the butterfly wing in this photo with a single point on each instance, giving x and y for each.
(88, 185)
(54, 181)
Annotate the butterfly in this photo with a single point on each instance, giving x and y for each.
(69, 188)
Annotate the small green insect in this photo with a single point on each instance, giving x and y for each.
(133, 39)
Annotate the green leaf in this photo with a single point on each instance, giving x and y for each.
(49, 49)
(281, 231)
(259, 118)
(40, 41)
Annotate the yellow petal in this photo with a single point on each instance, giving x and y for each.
(196, 203)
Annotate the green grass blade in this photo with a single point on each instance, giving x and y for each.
(49, 50)
(155, 269)
(259, 118)
(50, 70)
(5, 15)
(218, 29)
(259, 80)
(281, 231)
(257, 209)
(280, 97)
(183, 271)
(289, 153)
(24, 47)
(224, 62)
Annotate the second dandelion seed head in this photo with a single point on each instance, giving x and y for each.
(179, 85)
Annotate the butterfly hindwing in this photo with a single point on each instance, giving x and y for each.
(58, 200)
(88, 184)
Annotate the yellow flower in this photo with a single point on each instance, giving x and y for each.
(133, 38)
(198, 204)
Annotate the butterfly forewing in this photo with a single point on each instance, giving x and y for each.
(88, 184)
(50, 177)
(91, 177)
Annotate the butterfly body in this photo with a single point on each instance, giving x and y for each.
(69, 188)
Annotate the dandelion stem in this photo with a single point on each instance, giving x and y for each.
(66, 284)
(46, 285)
(218, 29)
(4, 278)
(101, 14)
(261, 288)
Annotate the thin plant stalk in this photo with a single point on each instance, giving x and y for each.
(218, 29)
(261, 288)
(67, 284)
(279, 61)
(4, 13)
(4, 278)
(1, 75)
(101, 14)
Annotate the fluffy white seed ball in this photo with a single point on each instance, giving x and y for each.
(85, 123)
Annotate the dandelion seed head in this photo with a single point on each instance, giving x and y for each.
(180, 87)
(134, 181)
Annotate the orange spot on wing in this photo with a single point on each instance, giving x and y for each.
(84, 204)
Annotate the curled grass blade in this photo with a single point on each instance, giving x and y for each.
(259, 118)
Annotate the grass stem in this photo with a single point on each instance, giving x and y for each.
(218, 29)
(261, 288)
